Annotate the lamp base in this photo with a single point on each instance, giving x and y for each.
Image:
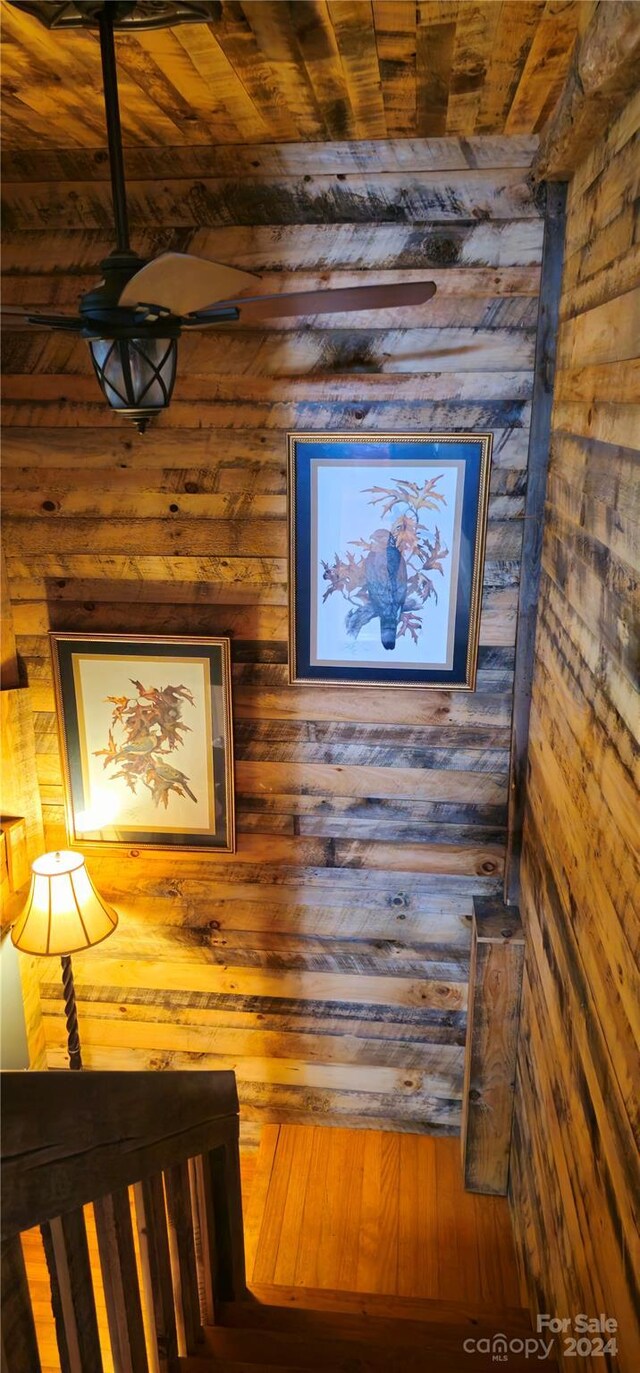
(71, 1013)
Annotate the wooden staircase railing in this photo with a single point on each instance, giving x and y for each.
(69, 1139)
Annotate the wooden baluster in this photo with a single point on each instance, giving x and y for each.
(182, 1248)
(18, 1335)
(204, 1234)
(225, 1162)
(156, 1268)
(120, 1280)
(72, 1298)
(222, 1170)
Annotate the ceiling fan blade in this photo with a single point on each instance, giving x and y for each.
(326, 302)
(182, 283)
(15, 313)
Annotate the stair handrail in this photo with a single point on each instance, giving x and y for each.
(70, 1139)
(66, 1134)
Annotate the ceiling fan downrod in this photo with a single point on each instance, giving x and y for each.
(134, 357)
(114, 129)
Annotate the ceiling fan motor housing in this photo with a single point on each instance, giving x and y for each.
(100, 308)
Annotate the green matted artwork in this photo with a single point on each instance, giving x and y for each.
(145, 729)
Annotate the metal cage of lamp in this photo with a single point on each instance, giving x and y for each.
(136, 375)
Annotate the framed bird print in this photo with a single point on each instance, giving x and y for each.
(386, 551)
(146, 738)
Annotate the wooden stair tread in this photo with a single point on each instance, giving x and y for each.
(359, 1325)
(271, 1303)
(328, 1361)
(357, 1364)
(195, 1364)
(399, 1348)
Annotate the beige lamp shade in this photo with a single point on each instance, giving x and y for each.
(63, 913)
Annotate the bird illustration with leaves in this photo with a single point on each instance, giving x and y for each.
(385, 583)
(162, 779)
(144, 729)
(388, 580)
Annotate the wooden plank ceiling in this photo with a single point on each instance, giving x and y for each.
(264, 71)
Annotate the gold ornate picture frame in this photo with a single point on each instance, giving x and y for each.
(146, 739)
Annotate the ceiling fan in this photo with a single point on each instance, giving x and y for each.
(133, 318)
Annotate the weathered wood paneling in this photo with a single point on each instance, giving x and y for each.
(602, 76)
(327, 961)
(537, 472)
(575, 1182)
(266, 72)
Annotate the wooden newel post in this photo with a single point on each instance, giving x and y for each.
(495, 984)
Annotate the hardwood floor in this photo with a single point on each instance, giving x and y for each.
(373, 1211)
(346, 1211)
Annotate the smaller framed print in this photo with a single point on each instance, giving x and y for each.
(386, 553)
(145, 729)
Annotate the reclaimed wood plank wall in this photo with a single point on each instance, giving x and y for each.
(327, 961)
(575, 1182)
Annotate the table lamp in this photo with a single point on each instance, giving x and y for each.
(63, 914)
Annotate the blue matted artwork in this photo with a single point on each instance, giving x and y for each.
(386, 551)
